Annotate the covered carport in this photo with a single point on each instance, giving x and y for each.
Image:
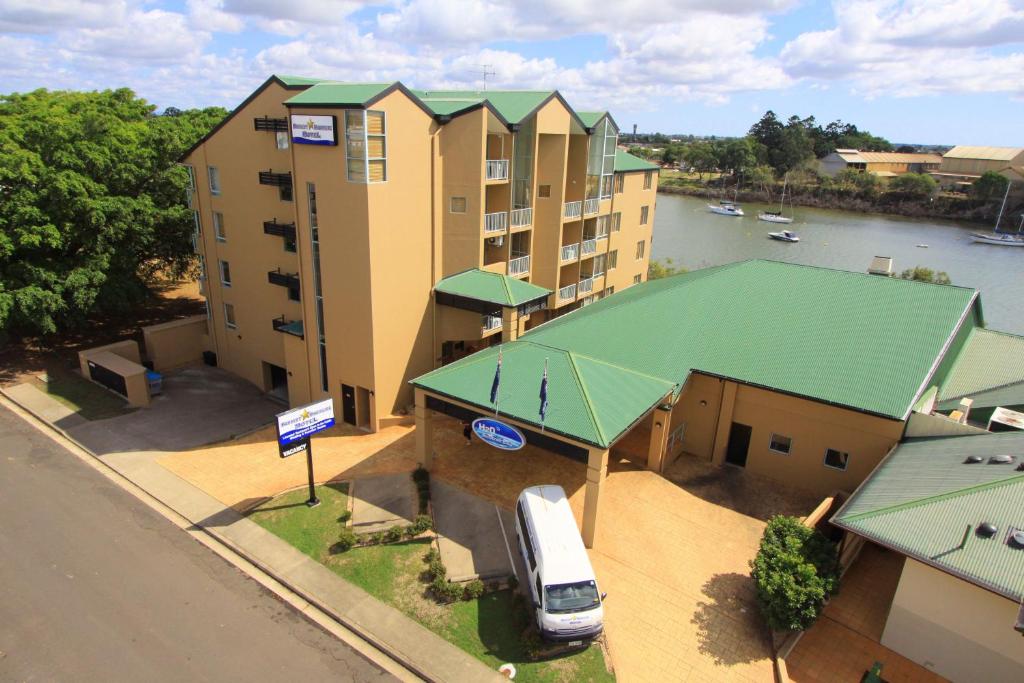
(591, 405)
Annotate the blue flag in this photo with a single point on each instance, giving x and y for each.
(544, 393)
(497, 380)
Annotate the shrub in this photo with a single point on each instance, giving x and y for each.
(375, 538)
(421, 524)
(473, 590)
(795, 571)
(445, 590)
(437, 568)
(422, 479)
(346, 539)
(393, 534)
(432, 555)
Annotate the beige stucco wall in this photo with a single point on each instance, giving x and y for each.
(812, 426)
(552, 152)
(629, 203)
(461, 144)
(178, 342)
(127, 349)
(954, 628)
(135, 383)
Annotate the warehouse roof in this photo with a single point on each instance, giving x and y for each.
(987, 153)
(927, 501)
(626, 162)
(855, 156)
(493, 288)
(849, 339)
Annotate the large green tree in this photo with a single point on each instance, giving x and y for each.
(92, 203)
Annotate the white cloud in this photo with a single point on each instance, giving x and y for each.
(48, 16)
(209, 15)
(155, 36)
(919, 47)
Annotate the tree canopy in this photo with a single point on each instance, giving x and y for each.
(916, 185)
(92, 202)
(990, 185)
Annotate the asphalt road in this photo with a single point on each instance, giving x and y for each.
(95, 586)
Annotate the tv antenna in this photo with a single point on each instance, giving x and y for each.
(485, 71)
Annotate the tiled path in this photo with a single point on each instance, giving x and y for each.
(843, 644)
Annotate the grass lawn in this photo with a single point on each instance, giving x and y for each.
(490, 628)
(86, 398)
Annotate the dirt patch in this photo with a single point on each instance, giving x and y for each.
(412, 594)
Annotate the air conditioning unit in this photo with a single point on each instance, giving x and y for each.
(496, 241)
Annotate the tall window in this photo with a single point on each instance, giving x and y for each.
(620, 183)
(648, 179)
(214, 175)
(218, 227)
(613, 259)
(640, 249)
(190, 189)
(602, 226)
(522, 164)
(644, 211)
(318, 292)
(601, 160)
(229, 317)
(366, 146)
(616, 221)
(225, 274)
(599, 264)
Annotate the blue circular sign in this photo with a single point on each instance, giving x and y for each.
(498, 434)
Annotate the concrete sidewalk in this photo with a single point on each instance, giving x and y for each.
(473, 534)
(415, 647)
(379, 503)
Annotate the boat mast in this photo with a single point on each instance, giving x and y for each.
(1005, 195)
(782, 199)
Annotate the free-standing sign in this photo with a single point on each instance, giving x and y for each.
(314, 130)
(298, 424)
(498, 434)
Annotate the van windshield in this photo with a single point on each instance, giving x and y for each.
(571, 597)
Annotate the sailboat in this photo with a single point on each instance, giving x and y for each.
(1001, 238)
(727, 208)
(776, 216)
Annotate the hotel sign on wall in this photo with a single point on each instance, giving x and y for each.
(314, 130)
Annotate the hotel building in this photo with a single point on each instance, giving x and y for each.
(354, 236)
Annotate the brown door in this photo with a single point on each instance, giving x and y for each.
(739, 444)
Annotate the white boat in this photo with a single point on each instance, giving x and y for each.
(776, 216)
(1001, 238)
(784, 236)
(725, 209)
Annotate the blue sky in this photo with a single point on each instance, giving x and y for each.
(925, 71)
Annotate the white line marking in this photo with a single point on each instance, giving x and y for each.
(501, 525)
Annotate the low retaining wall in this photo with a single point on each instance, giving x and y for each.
(176, 343)
(118, 374)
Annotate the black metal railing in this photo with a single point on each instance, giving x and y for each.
(286, 230)
(285, 326)
(271, 124)
(289, 280)
(276, 179)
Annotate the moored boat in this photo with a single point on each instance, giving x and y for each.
(773, 217)
(725, 209)
(785, 236)
(1001, 238)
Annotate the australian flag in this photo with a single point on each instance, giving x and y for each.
(497, 380)
(544, 394)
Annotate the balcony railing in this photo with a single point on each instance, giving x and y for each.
(573, 209)
(589, 247)
(570, 252)
(289, 280)
(567, 293)
(286, 230)
(292, 327)
(521, 217)
(497, 169)
(591, 206)
(586, 285)
(495, 222)
(519, 265)
(491, 322)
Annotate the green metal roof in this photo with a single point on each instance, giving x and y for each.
(491, 287)
(590, 118)
(513, 105)
(924, 501)
(626, 162)
(340, 94)
(988, 361)
(588, 399)
(298, 80)
(447, 107)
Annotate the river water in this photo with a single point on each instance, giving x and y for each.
(686, 232)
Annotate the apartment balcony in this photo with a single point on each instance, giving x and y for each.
(491, 323)
(570, 253)
(270, 124)
(519, 266)
(276, 179)
(591, 206)
(586, 286)
(572, 210)
(289, 280)
(567, 293)
(495, 223)
(589, 247)
(521, 218)
(286, 230)
(497, 170)
(292, 327)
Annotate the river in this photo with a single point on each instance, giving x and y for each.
(686, 232)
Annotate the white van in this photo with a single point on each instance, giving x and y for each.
(566, 599)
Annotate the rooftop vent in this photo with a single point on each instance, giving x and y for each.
(1001, 460)
(973, 459)
(987, 529)
(1016, 539)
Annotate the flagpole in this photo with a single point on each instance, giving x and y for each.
(544, 396)
(497, 383)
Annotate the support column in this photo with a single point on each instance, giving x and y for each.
(424, 430)
(509, 324)
(724, 423)
(660, 428)
(597, 470)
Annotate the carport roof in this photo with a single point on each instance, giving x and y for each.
(493, 288)
(588, 400)
(853, 340)
(926, 502)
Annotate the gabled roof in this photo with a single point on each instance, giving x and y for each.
(924, 501)
(989, 361)
(512, 105)
(339, 94)
(626, 162)
(590, 118)
(588, 399)
(493, 288)
(986, 153)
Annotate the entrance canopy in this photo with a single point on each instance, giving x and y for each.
(481, 291)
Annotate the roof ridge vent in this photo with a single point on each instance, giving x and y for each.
(987, 530)
(1001, 460)
(973, 459)
(1016, 539)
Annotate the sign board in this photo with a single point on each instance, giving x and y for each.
(314, 130)
(498, 434)
(297, 425)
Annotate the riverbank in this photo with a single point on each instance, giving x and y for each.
(943, 207)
